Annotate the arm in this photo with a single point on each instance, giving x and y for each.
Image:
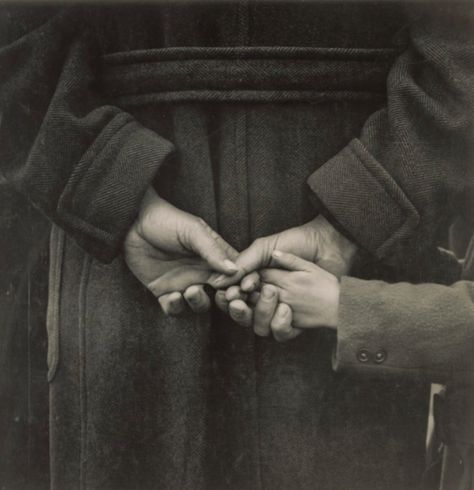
(388, 188)
(84, 163)
(88, 165)
(403, 329)
(406, 329)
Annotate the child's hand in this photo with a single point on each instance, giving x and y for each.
(311, 292)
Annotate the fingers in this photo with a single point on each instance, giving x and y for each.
(240, 312)
(276, 277)
(234, 292)
(205, 242)
(281, 324)
(291, 262)
(179, 279)
(197, 299)
(250, 282)
(258, 255)
(221, 301)
(264, 310)
(172, 304)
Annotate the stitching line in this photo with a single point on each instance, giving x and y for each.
(82, 368)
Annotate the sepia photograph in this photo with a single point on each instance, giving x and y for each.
(237, 245)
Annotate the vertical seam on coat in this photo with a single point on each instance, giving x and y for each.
(28, 395)
(244, 36)
(53, 308)
(243, 22)
(82, 368)
(255, 341)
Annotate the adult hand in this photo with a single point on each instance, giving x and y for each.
(173, 253)
(316, 241)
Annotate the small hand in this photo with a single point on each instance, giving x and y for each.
(173, 253)
(311, 292)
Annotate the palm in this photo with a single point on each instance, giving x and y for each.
(177, 268)
(169, 250)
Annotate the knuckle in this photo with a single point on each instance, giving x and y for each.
(196, 225)
(285, 296)
(200, 223)
(155, 290)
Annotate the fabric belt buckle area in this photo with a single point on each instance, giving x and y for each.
(233, 74)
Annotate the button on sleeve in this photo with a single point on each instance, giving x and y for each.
(363, 355)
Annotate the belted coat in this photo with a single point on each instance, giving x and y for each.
(230, 109)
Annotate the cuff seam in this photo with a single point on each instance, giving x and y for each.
(66, 201)
(392, 189)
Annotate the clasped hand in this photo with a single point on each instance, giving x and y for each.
(282, 283)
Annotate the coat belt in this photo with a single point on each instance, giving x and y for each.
(245, 74)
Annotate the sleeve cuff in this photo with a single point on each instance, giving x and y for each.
(358, 194)
(103, 195)
(386, 329)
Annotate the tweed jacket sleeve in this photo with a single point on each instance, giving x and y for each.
(389, 187)
(84, 163)
(406, 329)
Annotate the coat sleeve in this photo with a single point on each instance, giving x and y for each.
(405, 329)
(389, 187)
(82, 162)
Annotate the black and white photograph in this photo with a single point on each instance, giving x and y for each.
(237, 245)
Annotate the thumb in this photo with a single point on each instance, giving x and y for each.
(212, 248)
(291, 262)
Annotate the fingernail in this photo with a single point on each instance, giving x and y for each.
(231, 267)
(174, 301)
(237, 311)
(267, 292)
(277, 254)
(248, 285)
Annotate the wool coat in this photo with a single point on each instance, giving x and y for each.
(229, 109)
(427, 330)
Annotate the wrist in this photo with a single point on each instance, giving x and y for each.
(333, 251)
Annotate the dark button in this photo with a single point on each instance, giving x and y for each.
(363, 355)
(380, 356)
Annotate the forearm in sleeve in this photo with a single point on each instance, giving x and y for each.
(406, 329)
(84, 163)
(389, 188)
